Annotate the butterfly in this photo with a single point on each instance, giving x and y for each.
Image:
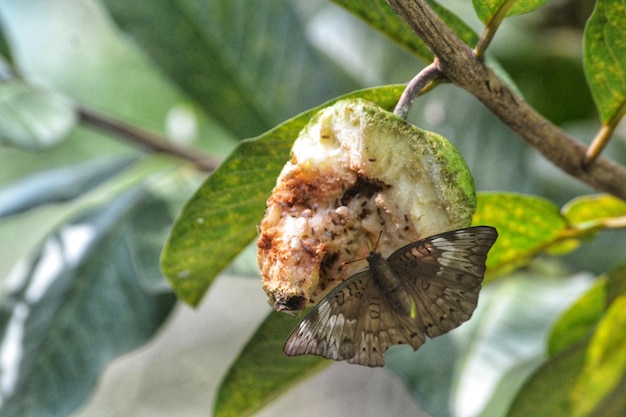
(425, 288)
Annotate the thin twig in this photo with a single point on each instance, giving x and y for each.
(459, 65)
(414, 89)
(149, 140)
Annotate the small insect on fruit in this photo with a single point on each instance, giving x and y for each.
(426, 288)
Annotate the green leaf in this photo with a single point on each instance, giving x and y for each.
(381, 16)
(546, 393)
(221, 218)
(604, 57)
(33, 226)
(616, 285)
(249, 65)
(614, 404)
(59, 184)
(605, 362)
(262, 371)
(591, 210)
(586, 374)
(578, 321)
(5, 47)
(31, 118)
(486, 9)
(527, 226)
(69, 309)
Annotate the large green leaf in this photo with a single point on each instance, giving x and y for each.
(586, 379)
(486, 9)
(577, 322)
(32, 118)
(546, 393)
(5, 47)
(44, 217)
(507, 329)
(58, 184)
(605, 361)
(616, 285)
(586, 374)
(248, 64)
(221, 218)
(604, 57)
(69, 310)
(580, 319)
(381, 16)
(262, 371)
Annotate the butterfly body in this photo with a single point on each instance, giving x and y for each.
(390, 285)
(426, 288)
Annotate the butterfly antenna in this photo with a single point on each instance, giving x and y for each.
(352, 260)
(369, 245)
(377, 241)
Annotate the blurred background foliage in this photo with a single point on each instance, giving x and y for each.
(84, 214)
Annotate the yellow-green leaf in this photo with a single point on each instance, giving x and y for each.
(605, 361)
(527, 226)
(577, 322)
(486, 9)
(604, 57)
(220, 218)
(262, 371)
(593, 210)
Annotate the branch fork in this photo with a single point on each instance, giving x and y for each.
(458, 63)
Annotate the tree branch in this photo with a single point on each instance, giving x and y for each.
(458, 64)
(149, 140)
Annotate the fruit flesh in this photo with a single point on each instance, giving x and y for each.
(356, 173)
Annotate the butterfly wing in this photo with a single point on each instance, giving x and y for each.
(355, 322)
(330, 329)
(352, 323)
(443, 274)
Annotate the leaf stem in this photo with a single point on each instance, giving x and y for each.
(149, 140)
(458, 64)
(415, 87)
(491, 28)
(603, 136)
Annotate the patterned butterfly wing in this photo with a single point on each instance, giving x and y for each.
(356, 322)
(352, 323)
(443, 275)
